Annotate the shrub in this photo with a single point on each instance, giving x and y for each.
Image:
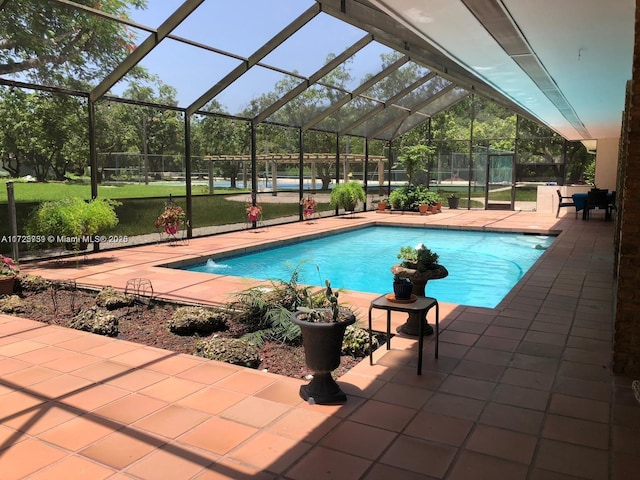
(356, 341)
(347, 195)
(112, 299)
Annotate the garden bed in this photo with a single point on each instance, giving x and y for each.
(148, 324)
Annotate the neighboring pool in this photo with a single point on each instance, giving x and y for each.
(483, 266)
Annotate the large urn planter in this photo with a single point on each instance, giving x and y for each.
(322, 342)
(419, 280)
(454, 202)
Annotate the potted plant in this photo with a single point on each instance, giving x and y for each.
(253, 212)
(171, 218)
(8, 272)
(309, 207)
(419, 264)
(402, 287)
(383, 203)
(73, 222)
(347, 195)
(322, 323)
(454, 200)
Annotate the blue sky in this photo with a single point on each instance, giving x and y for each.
(241, 27)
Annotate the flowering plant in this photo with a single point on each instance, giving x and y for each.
(171, 218)
(253, 212)
(8, 267)
(308, 207)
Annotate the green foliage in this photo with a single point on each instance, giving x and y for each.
(356, 341)
(410, 197)
(72, 217)
(420, 258)
(347, 195)
(415, 158)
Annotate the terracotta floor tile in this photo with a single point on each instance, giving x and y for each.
(229, 469)
(514, 446)
(270, 452)
(130, 408)
(28, 376)
(24, 458)
(455, 406)
(383, 415)
(17, 403)
(358, 439)
(134, 380)
(513, 418)
(625, 440)
(211, 400)
(60, 386)
(94, 396)
(141, 356)
(625, 467)
(475, 466)
(550, 327)
(485, 355)
(8, 365)
(577, 431)
(171, 389)
(73, 361)
(42, 355)
(528, 378)
(461, 338)
(387, 472)
(540, 349)
(171, 421)
(521, 397)
(403, 395)
(497, 343)
(584, 371)
(573, 460)
(467, 387)
(361, 385)
(283, 391)
(176, 364)
(122, 448)
(113, 349)
(505, 332)
(304, 425)
(576, 387)
(419, 456)
(540, 474)
(255, 412)
(170, 463)
(534, 363)
(325, 464)
(74, 467)
(41, 419)
(18, 347)
(439, 428)
(480, 371)
(245, 382)
(209, 372)
(589, 344)
(590, 357)
(467, 327)
(207, 435)
(83, 342)
(102, 371)
(77, 433)
(579, 408)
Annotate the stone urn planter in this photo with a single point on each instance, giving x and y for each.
(322, 342)
(419, 265)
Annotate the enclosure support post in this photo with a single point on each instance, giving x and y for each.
(254, 175)
(187, 172)
(93, 156)
(337, 163)
(13, 224)
(366, 170)
(300, 172)
(471, 155)
(389, 168)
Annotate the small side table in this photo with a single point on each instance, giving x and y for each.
(421, 306)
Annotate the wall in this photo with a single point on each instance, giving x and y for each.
(607, 162)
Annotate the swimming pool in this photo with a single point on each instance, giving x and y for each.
(483, 266)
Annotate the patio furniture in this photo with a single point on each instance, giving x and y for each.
(563, 203)
(419, 307)
(597, 199)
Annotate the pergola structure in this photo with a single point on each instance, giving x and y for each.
(564, 64)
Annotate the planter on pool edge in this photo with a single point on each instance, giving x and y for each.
(322, 343)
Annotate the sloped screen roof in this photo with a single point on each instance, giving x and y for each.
(281, 61)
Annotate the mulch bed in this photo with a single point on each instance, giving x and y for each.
(148, 325)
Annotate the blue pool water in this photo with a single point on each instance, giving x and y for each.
(483, 266)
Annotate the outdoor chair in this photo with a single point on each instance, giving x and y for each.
(597, 199)
(563, 203)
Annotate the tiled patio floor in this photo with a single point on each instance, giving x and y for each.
(522, 391)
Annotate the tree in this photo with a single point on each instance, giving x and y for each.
(415, 158)
(46, 40)
(44, 131)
